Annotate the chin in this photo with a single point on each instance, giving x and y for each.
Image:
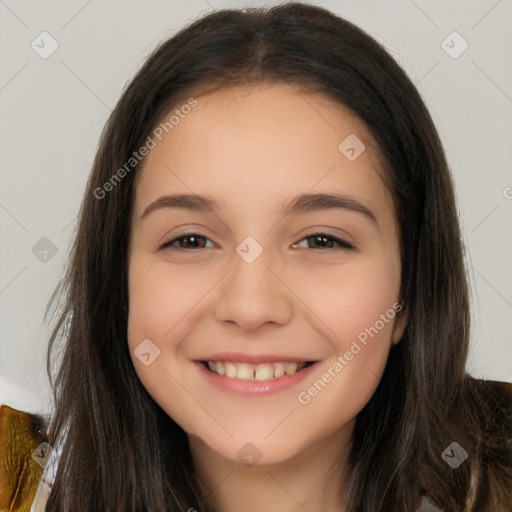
(256, 453)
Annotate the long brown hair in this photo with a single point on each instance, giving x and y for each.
(120, 451)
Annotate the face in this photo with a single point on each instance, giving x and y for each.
(261, 321)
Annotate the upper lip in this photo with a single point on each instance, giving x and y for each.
(255, 358)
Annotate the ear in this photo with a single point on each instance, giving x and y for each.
(399, 327)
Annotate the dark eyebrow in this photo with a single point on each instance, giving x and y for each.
(188, 201)
(302, 203)
(314, 202)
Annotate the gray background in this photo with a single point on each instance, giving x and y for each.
(53, 109)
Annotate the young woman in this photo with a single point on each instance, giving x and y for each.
(266, 307)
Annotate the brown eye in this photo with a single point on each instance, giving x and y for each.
(188, 241)
(324, 241)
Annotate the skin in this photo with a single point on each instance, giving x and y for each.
(253, 148)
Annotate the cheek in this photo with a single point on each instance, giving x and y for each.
(157, 302)
(159, 299)
(355, 298)
(358, 306)
(161, 307)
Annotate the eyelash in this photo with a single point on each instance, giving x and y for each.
(342, 244)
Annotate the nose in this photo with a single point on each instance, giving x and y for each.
(254, 294)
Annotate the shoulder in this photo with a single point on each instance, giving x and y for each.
(494, 402)
(21, 464)
(495, 390)
(490, 404)
(471, 462)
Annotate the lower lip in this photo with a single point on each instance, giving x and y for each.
(254, 387)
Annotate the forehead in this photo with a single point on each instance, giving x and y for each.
(262, 139)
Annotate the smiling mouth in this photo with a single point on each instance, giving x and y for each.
(259, 372)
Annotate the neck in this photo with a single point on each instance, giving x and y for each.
(312, 480)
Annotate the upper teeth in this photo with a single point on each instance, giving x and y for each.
(247, 371)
